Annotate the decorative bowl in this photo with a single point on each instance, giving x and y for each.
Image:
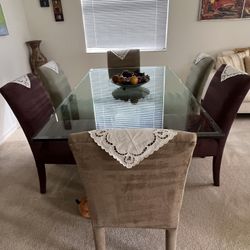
(129, 79)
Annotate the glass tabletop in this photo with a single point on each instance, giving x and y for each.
(97, 103)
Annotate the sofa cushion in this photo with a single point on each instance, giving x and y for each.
(247, 64)
(235, 60)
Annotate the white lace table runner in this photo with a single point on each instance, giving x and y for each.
(52, 65)
(131, 146)
(229, 72)
(23, 80)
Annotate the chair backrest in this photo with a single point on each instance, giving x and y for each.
(55, 83)
(32, 106)
(198, 76)
(223, 98)
(130, 62)
(149, 195)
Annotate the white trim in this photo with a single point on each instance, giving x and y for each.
(104, 50)
(84, 28)
(166, 33)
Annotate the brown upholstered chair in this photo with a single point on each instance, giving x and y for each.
(130, 62)
(147, 196)
(33, 108)
(222, 101)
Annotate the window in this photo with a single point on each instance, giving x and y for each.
(125, 24)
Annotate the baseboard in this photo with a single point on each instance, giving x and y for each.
(9, 132)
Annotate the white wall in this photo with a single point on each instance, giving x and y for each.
(13, 58)
(64, 42)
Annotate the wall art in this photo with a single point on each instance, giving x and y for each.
(58, 11)
(3, 27)
(44, 3)
(246, 12)
(224, 9)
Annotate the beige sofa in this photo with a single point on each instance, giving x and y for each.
(239, 59)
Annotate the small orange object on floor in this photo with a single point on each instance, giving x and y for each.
(83, 208)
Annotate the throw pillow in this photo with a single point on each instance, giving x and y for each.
(247, 64)
(235, 60)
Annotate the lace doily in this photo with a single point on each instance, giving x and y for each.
(52, 65)
(229, 72)
(23, 80)
(131, 146)
(120, 53)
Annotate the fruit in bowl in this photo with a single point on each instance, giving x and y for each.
(127, 78)
(134, 80)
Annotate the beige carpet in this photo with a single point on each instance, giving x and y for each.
(211, 217)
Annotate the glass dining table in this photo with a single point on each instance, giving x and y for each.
(97, 103)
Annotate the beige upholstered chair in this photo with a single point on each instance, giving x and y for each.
(58, 88)
(56, 83)
(147, 196)
(130, 62)
(198, 75)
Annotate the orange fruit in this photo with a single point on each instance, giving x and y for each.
(115, 78)
(133, 80)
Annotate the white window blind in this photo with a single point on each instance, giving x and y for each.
(125, 24)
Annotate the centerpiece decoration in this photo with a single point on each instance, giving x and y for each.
(130, 83)
(129, 79)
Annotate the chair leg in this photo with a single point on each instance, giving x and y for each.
(42, 176)
(171, 237)
(216, 169)
(99, 238)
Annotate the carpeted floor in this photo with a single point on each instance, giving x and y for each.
(211, 217)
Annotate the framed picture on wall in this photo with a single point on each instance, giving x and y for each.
(44, 3)
(246, 12)
(58, 11)
(3, 26)
(224, 9)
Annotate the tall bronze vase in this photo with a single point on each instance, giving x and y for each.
(37, 59)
